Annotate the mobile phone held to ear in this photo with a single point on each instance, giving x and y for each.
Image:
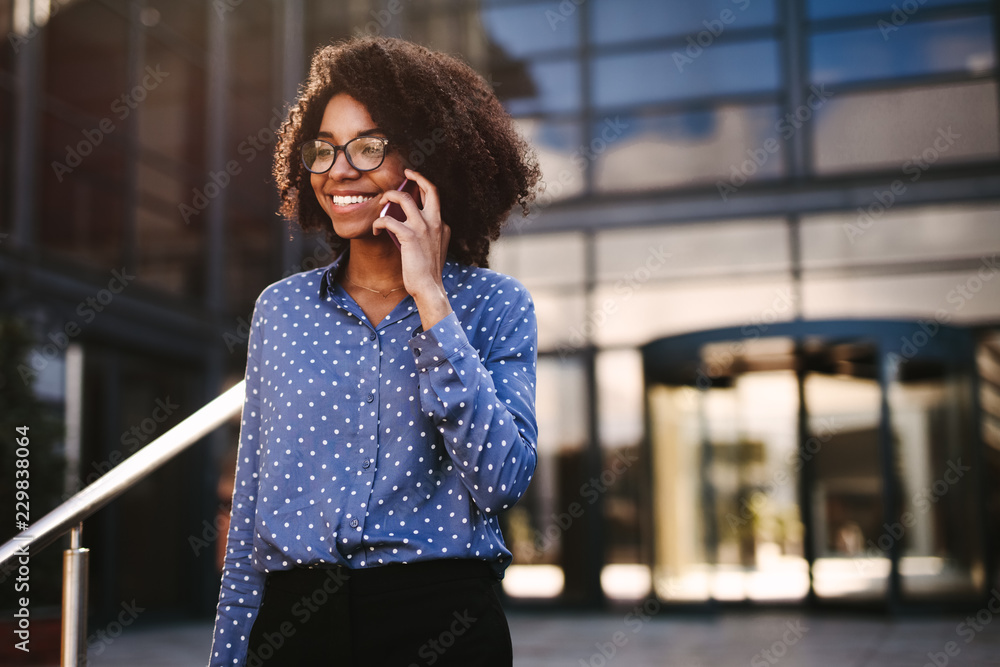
(394, 210)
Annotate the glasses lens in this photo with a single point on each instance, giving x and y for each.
(317, 155)
(366, 153)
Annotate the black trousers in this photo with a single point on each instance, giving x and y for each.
(443, 613)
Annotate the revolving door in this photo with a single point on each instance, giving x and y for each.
(832, 462)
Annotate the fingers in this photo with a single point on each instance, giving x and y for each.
(397, 227)
(445, 237)
(428, 192)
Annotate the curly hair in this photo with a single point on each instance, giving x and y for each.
(441, 116)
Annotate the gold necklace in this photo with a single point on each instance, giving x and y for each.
(384, 296)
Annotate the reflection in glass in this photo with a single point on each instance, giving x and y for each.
(716, 249)
(941, 553)
(544, 543)
(554, 87)
(543, 260)
(844, 403)
(728, 145)
(725, 477)
(658, 76)
(917, 48)
(908, 131)
(525, 29)
(562, 159)
(927, 233)
(821, 9)
(632, 312)
(626, 574)
(614, 21)
(914, 295)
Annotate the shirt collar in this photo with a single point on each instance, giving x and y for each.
(328, 280)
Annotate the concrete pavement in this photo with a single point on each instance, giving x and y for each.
(632, 638)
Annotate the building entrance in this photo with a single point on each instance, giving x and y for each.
(829, 462)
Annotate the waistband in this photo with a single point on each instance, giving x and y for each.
(384, 578)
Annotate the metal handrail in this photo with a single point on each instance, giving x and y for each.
(69, 515)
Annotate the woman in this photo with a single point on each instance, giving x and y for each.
(389, 415)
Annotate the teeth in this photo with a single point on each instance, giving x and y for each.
(346, 201)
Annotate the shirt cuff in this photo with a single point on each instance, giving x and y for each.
(445, 340)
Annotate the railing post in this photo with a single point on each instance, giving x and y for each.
(76, 561)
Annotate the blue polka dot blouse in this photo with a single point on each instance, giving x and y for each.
(367, 443)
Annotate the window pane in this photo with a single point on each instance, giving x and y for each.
(85, 62)
(560, 314)
(658, 76)
(908, 235)
(560, 156)
(680, 149)
(542, 547)
(82, 207)
(686, 251)
(910, 130)
(624, 315)
(931, 405)
(629, 20)
(822, 9)
(533, 87)
(847, 509)
(930, 47)
(543, 260)
(522, 30)
(961, 296)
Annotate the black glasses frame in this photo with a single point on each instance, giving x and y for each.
(337, 150)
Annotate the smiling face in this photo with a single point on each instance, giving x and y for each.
(350, 197)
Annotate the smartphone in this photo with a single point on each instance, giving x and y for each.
(394, 210)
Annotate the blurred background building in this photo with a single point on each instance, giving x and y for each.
(764, 265)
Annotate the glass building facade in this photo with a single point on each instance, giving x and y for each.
(764, 266)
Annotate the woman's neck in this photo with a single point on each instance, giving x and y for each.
(374, 263)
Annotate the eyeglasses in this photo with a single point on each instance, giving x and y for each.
(363, 153)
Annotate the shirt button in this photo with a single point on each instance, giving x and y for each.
(367, 464)
(354, 523)
(372, 336)
(371, 397)
(416, 351)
